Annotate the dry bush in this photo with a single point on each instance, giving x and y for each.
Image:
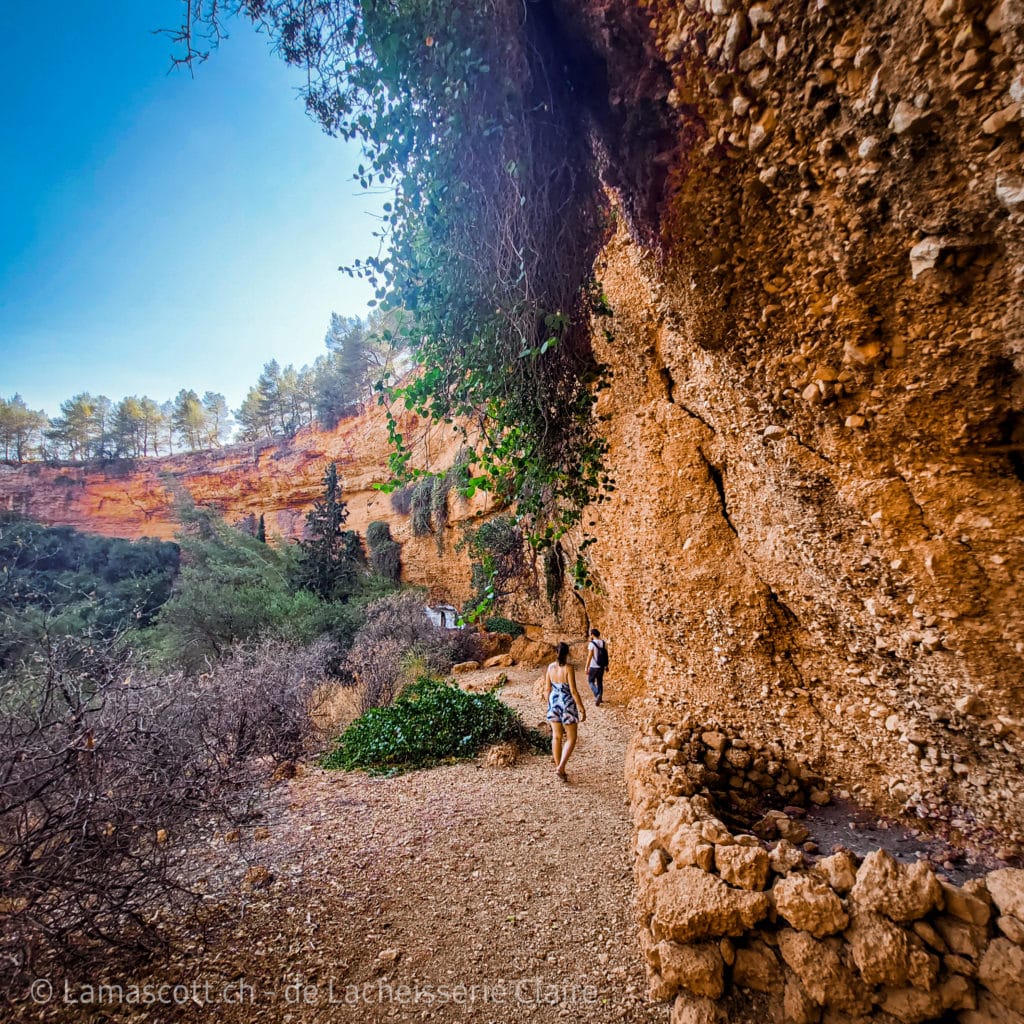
(262, 700)
(396, 632)
(110, 775)
(401, 500)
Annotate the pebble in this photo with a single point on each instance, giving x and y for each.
(1010, 191)
(1001, 119)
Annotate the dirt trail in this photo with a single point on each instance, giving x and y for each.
(505, 879)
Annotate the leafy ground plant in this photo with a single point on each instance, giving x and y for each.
(432, 721)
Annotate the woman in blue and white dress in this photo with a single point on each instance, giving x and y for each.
(565, 709)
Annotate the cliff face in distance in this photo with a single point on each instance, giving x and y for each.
(277, 479)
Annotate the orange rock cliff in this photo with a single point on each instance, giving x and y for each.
(279, 480)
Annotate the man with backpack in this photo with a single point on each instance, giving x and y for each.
(597, 650)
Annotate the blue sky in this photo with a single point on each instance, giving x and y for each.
(159, 231)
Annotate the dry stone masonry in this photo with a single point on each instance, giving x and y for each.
(729, 920)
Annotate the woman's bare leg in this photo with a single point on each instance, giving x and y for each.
(567, 747)
(556, 742)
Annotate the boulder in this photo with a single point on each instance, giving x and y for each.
(822, 973)
(690, 904)
(744, 866)
(532, 653)
(715, 740)
(930, 936)
(500, 661)
(797, 1005)
(901, 892)
(714, 831)
(465, 666)
(961, 938)
(501, 755)
(881, 949)
(957, 993)
(695, 1010)
(791, 830)
(964, 906)
(1002, 972)
(687, 848)
(839, 870)
(784, 857)
(698, 968)
(807, 903)
(658, 989)
(1012, 928)
(657, 861)
(924, 969)
(990, 1010)
(909, 120)
(671, 817)
(925, 256)
(757, 967)
(911, 1005)
(1010, 191)
(646, 840)
(1007, 889)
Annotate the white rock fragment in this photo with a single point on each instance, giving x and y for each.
(1010, 191)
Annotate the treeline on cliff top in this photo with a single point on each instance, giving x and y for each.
(148, 693)
(361, 353)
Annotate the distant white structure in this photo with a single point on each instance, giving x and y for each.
(444, 615)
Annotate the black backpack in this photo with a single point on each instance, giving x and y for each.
(602, 654)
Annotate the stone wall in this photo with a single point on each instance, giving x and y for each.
(733, 925)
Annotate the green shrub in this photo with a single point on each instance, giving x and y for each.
(499, 624)
(497, 564)
(431, 721)
(397, 630)
(385, 552)
(377, 533)
(439, 506)
(55, 581)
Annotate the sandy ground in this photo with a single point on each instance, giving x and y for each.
(462, 893)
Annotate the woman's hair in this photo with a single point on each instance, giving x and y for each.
(563, 653)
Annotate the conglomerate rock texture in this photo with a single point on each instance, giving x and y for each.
(816, 406)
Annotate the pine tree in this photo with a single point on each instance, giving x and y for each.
(21, 429)
(217, 419)
(261, 530)
(189, 418)
(331, 556)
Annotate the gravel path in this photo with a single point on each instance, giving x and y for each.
(463, 893)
